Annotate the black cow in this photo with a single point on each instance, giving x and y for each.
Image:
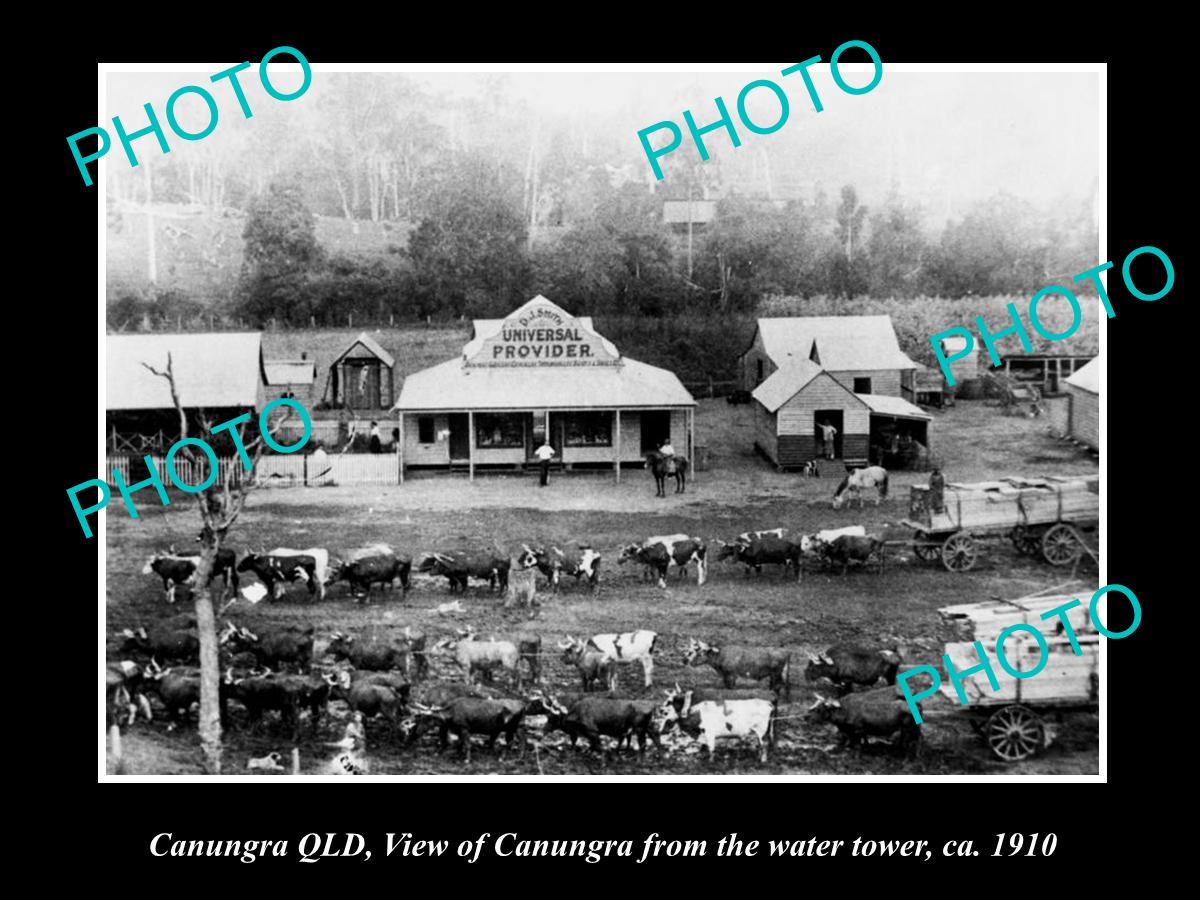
(368, 654)
(179, 690)
(372, 565)
(175, 570)
(281, 565)
(765, 550)
(287, 694)
(877, 713)
(275, 648)
(592, 717)
(847, 665)
(748, 662)
(459, 565)
(372, 693)
(852, 548)
(174, 639)
(582, 562)
(658, 554)
(465, 716)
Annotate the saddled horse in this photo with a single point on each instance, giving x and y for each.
(857, 481)
(665, 466)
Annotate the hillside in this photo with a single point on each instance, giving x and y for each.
(201, 254)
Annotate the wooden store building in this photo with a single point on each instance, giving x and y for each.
(539, 374)
(845, 371)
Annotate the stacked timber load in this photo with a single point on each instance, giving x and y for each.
(1009, 502)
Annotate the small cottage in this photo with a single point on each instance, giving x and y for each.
(362, 377)
(793, 403)
(1083, 398)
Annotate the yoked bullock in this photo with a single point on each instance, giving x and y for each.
(175, 570)
(659, 554)
(726, 719)
(282, 564)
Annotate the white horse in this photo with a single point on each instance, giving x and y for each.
(859, 479)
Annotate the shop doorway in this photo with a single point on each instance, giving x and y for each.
(656, 428)
(460, 437)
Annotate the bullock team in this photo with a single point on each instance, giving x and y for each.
(292, 673)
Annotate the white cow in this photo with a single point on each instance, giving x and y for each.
(713, 720)
(629, 647)
(810, 542)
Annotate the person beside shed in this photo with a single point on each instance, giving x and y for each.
(545, 453)
(937, 491)
(828, 434)
(376, 440)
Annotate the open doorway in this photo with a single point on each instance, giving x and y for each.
(460, 437)
(656, 428)
(828, 417)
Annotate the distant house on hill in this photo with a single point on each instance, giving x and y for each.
(218, 376)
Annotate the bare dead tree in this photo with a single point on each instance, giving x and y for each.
(219, 505)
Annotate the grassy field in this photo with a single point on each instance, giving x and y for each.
(740, 492)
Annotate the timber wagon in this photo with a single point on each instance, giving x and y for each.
(1014, 721)
(1043, 517)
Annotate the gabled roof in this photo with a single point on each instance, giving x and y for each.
(290, 371)
(372, 345)
(1087, 378)
(455, 386)
(215, 371)
(842, 343)
(893, 406)
(789, 380)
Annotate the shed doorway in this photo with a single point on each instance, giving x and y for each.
(828, 417)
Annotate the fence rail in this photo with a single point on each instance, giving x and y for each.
(274, 470)
(711, 388)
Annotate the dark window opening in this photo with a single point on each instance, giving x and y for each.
(425, 429)
(589, 429)
(862, 385)
(760, 371)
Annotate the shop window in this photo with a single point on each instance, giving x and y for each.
(425, 429)
(497, 432)
(589, 429)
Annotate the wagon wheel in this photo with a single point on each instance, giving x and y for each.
(1015, 733)
(959, 552)
(1060, 546)
(1026, 540)
(923, 550)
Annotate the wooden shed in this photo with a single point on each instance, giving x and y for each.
(1083, 411)
(362, 377)
(791, 404)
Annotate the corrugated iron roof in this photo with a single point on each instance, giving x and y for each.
(453, 386)
(1087, 378)
(844, 343)
(290, 371)
(788, 380)
(211, 370)
(371, 344)
(893, 406)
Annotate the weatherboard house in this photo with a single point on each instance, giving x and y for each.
(540, 374)
(844, 371)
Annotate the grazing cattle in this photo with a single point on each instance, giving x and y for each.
(847, 665)
(376, 655)
(583, 562)
(812, 543)
(460, 565)
(877, 713)
(713, 720)
(175, 570)
(857, 481)
(852, 548)
(760, 551)
(172, 639)
(658, 554)
(377, 564)
(287, 694)
(485, 657)
(283, 565)
(596, 668)
(276, 648)
(593, 717)
(465, 716)
(747, 662)
(629, 647)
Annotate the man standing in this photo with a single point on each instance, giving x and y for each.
(828, 433)
(545, 453)
(937, 491)
(376, 440)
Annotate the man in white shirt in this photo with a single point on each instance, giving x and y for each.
(668, 454)
(828, 433)
(545, 453)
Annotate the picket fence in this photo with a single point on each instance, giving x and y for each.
(274, 470)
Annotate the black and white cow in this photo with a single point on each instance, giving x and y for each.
(581, 562)
(175, 570)
(658, 554)
(377, 564)
(285, 565)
